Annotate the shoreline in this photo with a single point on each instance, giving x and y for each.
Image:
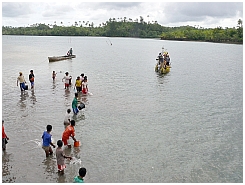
(224, 42)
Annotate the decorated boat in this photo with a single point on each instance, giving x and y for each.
(58, 58)
(163, 64)
(162, 70)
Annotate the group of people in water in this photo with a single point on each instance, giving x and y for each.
(81, 85)
(60, 155)
(22, 82)
(163, 60)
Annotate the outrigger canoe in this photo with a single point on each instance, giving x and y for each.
(54, 58)
(162, 70)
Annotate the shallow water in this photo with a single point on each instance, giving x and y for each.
(138, 126)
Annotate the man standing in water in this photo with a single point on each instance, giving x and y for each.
(31, 78)
(22, 81)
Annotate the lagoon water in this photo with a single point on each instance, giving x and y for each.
(138, 126)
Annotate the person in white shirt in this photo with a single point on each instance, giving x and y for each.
(22, 81)
(67, 120)
(67, 80)
(85, 85)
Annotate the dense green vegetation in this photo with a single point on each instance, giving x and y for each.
(129, 28)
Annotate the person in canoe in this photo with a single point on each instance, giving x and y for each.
(160, 61)
(166, 60)
(69, 53)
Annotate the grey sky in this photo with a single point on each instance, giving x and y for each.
(204, 14)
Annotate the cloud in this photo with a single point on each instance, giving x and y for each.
(115, 5)
(60, 10)
(199, 11)
(165, 13)
(15, 9)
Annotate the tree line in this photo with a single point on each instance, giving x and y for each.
(129, 28)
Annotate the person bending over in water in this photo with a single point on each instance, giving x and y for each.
(69, 132)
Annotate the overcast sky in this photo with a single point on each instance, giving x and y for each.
(204, 14)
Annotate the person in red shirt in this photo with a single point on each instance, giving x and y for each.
(69, 132)
(4, 137)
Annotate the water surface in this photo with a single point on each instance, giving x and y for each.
(138, 126)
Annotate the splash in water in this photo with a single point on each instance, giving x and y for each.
(37, 142)
(75, 161)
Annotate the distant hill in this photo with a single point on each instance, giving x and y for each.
(141, 29)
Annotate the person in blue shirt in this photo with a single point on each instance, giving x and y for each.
(79, 178)
(47, 141)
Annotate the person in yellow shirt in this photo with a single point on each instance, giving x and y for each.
(78, 84)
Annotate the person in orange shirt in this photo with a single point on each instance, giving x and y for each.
(69, 132)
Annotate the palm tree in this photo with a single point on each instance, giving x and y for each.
(239, 23)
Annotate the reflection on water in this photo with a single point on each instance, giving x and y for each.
(33, 97)
(162, 78)
(80, 116)
(50, 165)
(61, 178)
(54, 84)
(23, 101)
(67, 93)
(7, 168)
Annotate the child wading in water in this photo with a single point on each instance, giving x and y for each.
(47, 141)
(60, 156)
(54, 75)
(82, 173)
(67, 120)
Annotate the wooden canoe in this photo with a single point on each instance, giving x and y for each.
(57, 58)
